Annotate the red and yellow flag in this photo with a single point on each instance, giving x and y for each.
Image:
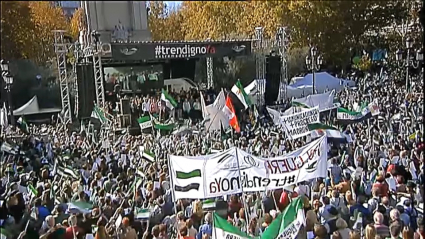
(230, 112)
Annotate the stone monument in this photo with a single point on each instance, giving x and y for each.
(117, 20)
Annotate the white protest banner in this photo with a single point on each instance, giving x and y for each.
(187, 176)
(296, 125)
(234, 171)
(305, 163)
(222, 174)
(248, 174)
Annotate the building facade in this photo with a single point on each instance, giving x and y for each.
(118, 20)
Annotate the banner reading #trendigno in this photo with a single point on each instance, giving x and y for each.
(296, 125)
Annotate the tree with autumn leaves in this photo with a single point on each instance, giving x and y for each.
(333, 26)
(26, 30)
(27, 42)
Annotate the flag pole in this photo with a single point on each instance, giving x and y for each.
(246, 209)
(170, 172)
(213, 121)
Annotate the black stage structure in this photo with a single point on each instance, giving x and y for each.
(173, 59)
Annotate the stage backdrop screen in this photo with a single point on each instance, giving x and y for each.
(134, 79)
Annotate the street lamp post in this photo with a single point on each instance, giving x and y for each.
(408, 61)
(8, 79)
(313, 62)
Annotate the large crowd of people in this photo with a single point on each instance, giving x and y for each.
(60, 184)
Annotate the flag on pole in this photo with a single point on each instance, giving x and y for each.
(99, 114)
(223, 133)
(32, 190)
(275, 115)
(169, 101)
(23, 124)
(67, 172)
(142, 213)
(80, 206)
(231, 115)
(3, 117)
(241, 94)
(208, 204)
(148, 156)
(220, 101)
(349, 116)
(318, 130)
(203, 107)
(165, 126)
(288, 223)
(145, 122)
(223, 230)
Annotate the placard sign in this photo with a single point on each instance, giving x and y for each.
(296, 125)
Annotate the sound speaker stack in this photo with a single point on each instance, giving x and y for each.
(86, 90)
(124, 118)
(125, 106)
(273, 75)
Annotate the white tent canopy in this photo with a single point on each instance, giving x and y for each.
(323, 82)
(295, 79)
(31, 108)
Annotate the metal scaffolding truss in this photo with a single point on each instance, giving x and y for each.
(98, 76)
(260, 64)
(61, 49)
(210, 73)
(78, 53)
(282, 38)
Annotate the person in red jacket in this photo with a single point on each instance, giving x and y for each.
(284, 199)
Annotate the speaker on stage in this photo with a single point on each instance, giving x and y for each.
(180, 68)
(273, 64)
(134, 131)
(86, 90)
(125, 106)
(124, 120)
